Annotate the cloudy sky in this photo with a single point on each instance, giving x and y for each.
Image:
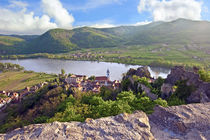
(38, 16)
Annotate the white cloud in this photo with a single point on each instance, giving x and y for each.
(142, 23)
(23, 23)
(105, 25)
(54, 9)
(163, 10)
(20, 21)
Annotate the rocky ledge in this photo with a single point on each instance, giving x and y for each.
(181, 122)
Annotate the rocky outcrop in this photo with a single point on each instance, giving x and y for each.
(121, 127)
(200, 95)
(148, 92)
(186, 122)
(141, 72)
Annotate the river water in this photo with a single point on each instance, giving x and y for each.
(88, 68)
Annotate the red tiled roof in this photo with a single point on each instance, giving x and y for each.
(80, 76)
(101, 78)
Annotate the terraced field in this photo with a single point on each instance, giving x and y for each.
(19, 80)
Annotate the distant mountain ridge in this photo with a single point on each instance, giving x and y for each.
(181, 31)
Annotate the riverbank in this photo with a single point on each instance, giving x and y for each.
(155, 55)
(120, 60)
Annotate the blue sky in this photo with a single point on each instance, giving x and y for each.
(38, 16)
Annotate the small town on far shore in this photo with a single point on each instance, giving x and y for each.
(81, 83)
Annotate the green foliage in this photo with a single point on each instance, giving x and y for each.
(126, 96)
(144, 104)
(145, 81)
(3, 96)
(107, 93)
(125, 84)
(175, 101)
(92, 78)
(40, 119)
(63, 72)
(204, 75)
(10, 67)
(161, 102)
(156, 86)
(183, 91)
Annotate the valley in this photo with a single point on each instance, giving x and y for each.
(187, 44)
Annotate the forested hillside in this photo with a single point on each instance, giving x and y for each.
(185, 33)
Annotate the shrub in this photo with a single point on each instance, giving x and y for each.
(175, 101)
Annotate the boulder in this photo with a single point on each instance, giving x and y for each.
(141, 72)
(121, 127)
(186, 122)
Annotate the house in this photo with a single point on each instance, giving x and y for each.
(101, 78)
(75, 79)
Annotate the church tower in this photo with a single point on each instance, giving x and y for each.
(108, 73)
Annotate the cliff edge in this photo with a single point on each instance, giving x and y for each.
(179, 122)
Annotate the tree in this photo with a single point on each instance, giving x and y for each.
(92, 78)
(63, 72)
(126, 96)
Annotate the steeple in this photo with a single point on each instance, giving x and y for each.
(108, 73)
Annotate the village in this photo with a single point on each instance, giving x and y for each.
(94, 84)
(72, 82)
(7, 97)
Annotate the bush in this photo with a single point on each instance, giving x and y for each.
(161, 102)
(204, 75)
(175, 101)
(183, 91)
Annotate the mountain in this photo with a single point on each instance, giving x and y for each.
(60, 40)
(180, 31)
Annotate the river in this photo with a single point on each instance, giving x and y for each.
(88, 68)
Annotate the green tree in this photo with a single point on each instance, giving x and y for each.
(126, 96)
(92, 78)
(63, 72)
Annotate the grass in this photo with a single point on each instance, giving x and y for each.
(9, 41)
(20, 80)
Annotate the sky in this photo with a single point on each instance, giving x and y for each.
(38, 16)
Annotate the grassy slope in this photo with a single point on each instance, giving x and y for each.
(60, 40)
(19, 80)
(9, 44)
(9, 41)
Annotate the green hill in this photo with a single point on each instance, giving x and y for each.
(179, 32)
(9, 44)
(60, 40)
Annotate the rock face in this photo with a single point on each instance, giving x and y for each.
(141, 72)
(200, 95)
(122, 127)
(186, 122)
